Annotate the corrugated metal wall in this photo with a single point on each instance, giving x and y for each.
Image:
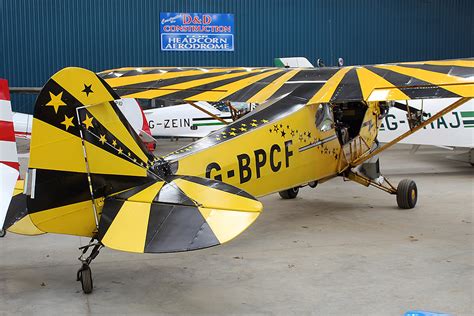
(40, 37)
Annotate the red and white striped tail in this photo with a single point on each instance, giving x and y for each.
(9, 167)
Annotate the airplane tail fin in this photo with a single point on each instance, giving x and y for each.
(91, 175)
(9, 166)
(82, 150)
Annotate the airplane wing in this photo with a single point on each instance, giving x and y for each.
(383, 82)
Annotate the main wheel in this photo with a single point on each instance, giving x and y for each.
(3, 232)
(290, 193)
(85, 276)
(407, 194)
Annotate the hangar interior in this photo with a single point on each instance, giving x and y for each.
(334, 248)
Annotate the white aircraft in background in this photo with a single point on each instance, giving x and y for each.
(454, 130)
(193, 120)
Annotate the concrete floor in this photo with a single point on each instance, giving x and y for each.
(339, 249)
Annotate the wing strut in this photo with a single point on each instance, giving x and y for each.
(447, 109)
(207, 112)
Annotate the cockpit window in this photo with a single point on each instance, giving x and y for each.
(324, 117)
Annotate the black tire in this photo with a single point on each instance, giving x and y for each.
(3, 232)
(290, 193)
(86, 280)
(407, 194)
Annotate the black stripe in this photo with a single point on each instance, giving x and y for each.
(163, 83)
(152, 71)
(318, 74)
(110, 210)
(186, 93)
(177, 228)
(134, 72)
(60, 188)
(48, 115)
(129, 193)
(458, 71)
(171, 194)
(246, 93)
(16, 210)
(348, 89)
(414, 88)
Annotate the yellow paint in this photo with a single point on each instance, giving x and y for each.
(326, 92)
(106, 115)
(56, 101)
(227, 225)
(162, 91)
(67, 122)
(73, 219)
(54, 149)
(461, 86)
(88, 122)
(101, 161)
(221, 92)
(19, 187)
(303, 166)
(216, 199)
(63, 151)
(102, 139)
(73, 80)
(25, 227)
(128, 230)
(128, 80)
(273, 87)
(147, 195)
(368, 133)
(370, 81)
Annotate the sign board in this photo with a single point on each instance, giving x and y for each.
(196, 31)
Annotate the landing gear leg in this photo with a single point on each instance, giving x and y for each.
(406, 191)
(84, 274)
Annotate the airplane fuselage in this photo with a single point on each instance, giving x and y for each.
(262, 155)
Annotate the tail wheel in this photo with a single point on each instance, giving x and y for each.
(85, 276)
(290, 193)
(3, 232)
(407, 194)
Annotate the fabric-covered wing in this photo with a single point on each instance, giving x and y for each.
(402, 81)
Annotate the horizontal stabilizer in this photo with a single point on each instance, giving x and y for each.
(18, 220)
(182, 214)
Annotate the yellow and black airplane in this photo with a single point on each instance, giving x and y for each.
(90, 175)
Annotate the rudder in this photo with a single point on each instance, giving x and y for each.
(82, 150)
